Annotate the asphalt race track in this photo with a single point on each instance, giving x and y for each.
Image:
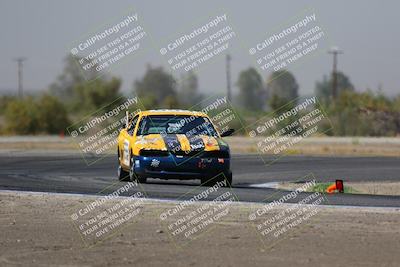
(70, 174)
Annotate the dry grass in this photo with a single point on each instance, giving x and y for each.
(370, 188)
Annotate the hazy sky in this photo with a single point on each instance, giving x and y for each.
(367, 31)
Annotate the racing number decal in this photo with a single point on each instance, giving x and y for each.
(196, 143)
(126, 155)
(172, 143)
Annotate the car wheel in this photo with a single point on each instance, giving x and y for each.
(204, 180)
(133, 176)
(228, 179)
(208, 180)
(142, 179)
(122, 174)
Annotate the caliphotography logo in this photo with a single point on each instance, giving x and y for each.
(284, 214)
(103, 217)
(96, 134)
(194, 47)
(198, 211)
(284, 129)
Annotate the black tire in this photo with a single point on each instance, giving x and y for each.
(122, 174)
(204, 180)
(209, 180)
(142, 179)
(228, 178)
(133, 176)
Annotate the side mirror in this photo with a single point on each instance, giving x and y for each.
(228, 133)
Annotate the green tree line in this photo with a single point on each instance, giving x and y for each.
(71, 96)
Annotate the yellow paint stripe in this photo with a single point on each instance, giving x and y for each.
(210, 143)
(184, 141)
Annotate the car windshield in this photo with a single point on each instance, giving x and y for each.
(176, 124)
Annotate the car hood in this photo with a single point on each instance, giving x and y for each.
(179, 142)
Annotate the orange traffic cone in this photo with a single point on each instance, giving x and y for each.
(331, 189)
(336, 187)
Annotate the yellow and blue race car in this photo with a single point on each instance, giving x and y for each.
(173, 144)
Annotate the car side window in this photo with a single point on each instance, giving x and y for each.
(132, 125)
(142, 125)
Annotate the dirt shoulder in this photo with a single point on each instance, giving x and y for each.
(37, 230)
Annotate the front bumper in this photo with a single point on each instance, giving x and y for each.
(180, 167)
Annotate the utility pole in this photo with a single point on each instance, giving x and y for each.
(20, 66)
(335, 52)
(228, 77)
